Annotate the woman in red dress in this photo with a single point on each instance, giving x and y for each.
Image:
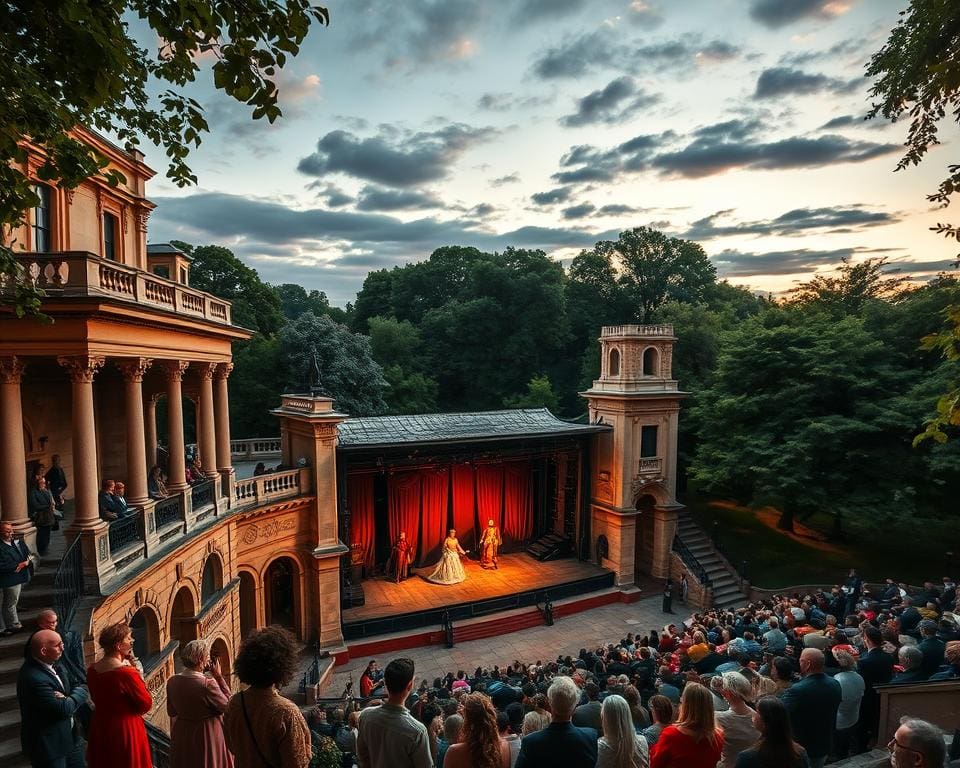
(117, 734)
(694, 741)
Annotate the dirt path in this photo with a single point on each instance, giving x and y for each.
(802, 534)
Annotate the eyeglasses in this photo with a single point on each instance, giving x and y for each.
(894, 743)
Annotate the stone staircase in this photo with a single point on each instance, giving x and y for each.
(727, 589)
(36, 596)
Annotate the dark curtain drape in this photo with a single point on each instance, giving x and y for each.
(360, 501)
(464, 505)
(403, 507)
(433, 524)
(490, 494)
(517, 503)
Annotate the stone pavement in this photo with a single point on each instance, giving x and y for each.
(606, 624)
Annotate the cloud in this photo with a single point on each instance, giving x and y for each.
(613, 103)
(331, 194)
(380, 199)
(530, 11)
(505, 102)
(578, 55)
(298, 91)
(733, 263)
(617, 209)
(783, 81)
(774, 14)
(510, 178)
(645, 14)
(717, 51)
(403, 160)
(840, 219)
(552, 196)
(578, 211)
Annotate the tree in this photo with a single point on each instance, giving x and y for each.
(847, 292)
(654, 268)
(255, 304)
(539, 394)
(77, 63)
(396, 346)
(348, 371)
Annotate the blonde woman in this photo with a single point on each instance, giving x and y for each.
(538, 718)
(620, 746)
(694, 741)
(736, 723)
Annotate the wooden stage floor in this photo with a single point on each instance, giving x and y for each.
(518, 572)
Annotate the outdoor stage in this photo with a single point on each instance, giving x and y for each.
(519, 582)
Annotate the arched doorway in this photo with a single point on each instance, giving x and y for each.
(643, 548)
(145, 629)
(211, 581)
(248, 603)
(281, 588)
(183, 627)
(220, 652)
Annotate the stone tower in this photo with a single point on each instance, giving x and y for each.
(633, 488)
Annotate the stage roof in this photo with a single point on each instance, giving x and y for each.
(364, 432)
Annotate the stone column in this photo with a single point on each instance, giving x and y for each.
(664, 529)
(150, 429)
(13, 469)
(133, 370)
(221, 405)
(173, 372)
(86, 476)
(206, 439)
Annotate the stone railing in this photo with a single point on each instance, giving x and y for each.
(271, 487)
(255, 448)
(636, 330)
(79, 274)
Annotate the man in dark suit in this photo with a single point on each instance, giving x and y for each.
(561, 742)
(932, 647)
(15, 567)
(911, 659)
(813, 704)
(588, 715)
(876, 668)
(48, 704)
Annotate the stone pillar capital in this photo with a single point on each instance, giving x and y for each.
(223, 370)
(205, 371)
(134, 368)
(173, 370)
(11, 369)
(82, 368)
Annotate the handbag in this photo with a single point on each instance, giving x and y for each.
(253, 737)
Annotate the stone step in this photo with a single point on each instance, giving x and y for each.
(10, 725)
(10, 754)
(8, 697)
(10, 664)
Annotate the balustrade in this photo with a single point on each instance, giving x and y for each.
(276, 485)
(637, 330)
(255, 447)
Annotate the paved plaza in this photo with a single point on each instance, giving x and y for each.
(606, 624)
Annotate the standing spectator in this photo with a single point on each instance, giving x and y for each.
(918, 744)
(588, 715)
(695, 741)
(932, 648)
(480, 745)
(57, 481)
(661, 712)
(620, 746)
(106, 504)
(776, 748)
(43, 513)
(196, 703)
(515, 719)
(347, 738)
(739, 732)
(852, 589)
(876, 668)
(452, 728)
(389, 735)
(561, 742)
(16, 564)
(48, 703)
(117, 735)
(667, 606)
(260, 726)
(684, 588)
(851, 690)
(813, 704)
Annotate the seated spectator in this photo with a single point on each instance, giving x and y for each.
(918, 744)
(661, 712)
(588, 715)
(952, 657)
(106, 503)
(911, 659)
(367, 681)
(452, 727)
(481, 745)
(776, 746)
(120, 500)
(736, 722)
(156, 486)
(932, 648)
(538, 718)
(638, 714)
(346, 739)
(260, 469)
(694, 741)
(699, 649)
(620, 746)
(560, 743)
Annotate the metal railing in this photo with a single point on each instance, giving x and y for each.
(202, 494)
(690, 560)
(68, 586)
(167, 511)
(125, 532)
(159, 745)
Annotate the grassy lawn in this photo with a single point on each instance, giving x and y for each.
(779, 560)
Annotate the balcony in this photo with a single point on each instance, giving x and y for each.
(650, 467)
(79, 274)
(637, 330)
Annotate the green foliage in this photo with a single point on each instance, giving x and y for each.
(255, 385)
(396, 345)
(539, 394)
(326, 753)
(409, 392)
(851, 288)
(945, 422)
(76, 63)
(347, 369)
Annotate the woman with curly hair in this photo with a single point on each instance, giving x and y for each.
(261, 727)
(480, 744)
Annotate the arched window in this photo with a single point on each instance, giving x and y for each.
(183, 612)
(212, 580)
(248, 603)
(651, 362)
(146, 634)
(614, 367)
(282, 587)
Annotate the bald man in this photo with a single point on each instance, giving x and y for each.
(48, 704)
(813, 704)
(46, 619)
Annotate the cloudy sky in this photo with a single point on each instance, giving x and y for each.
(556, 123)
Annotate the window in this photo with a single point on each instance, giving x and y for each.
(614, 367)
(211, 581)
(110, 236)
(162, 270)
(40, 228)
(648, 442)
(650, 362)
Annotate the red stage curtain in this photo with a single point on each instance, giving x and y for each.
(518, 503)
(403, 507)
(433, 524)
(464, 505)
(360, 502)
(490, 494)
